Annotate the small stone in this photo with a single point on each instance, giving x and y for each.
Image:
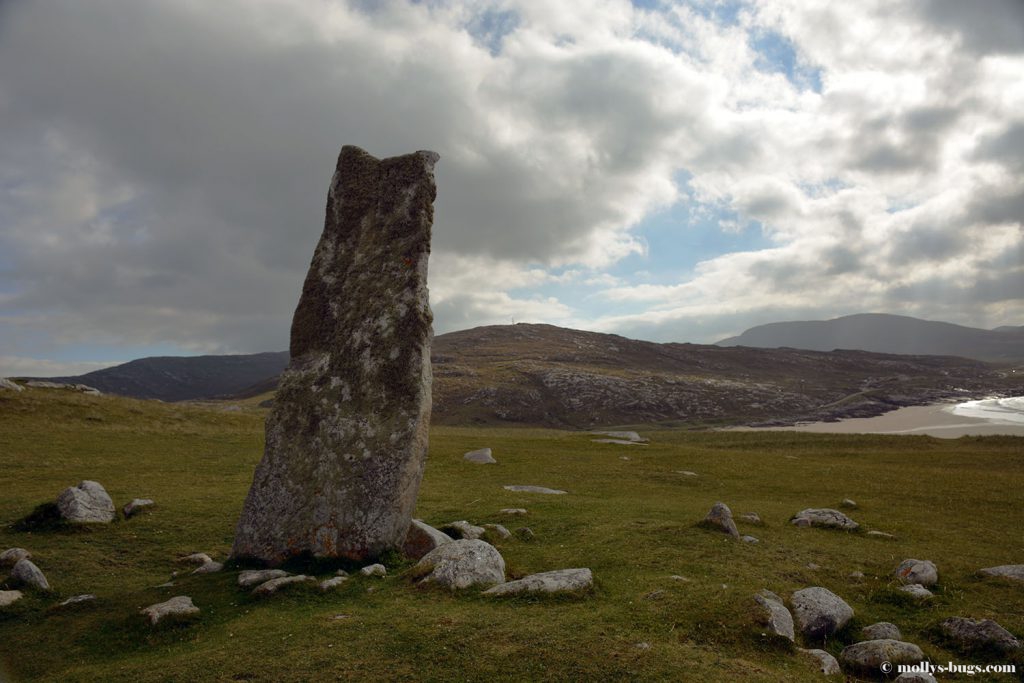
(136, 506)
(210, 567)
(332, 583)
(1006, 571)
(25, 572)
(619, 442)
(273, 585)
(12, 556)
(774, 614)
(169, 584)
(881, 534)
(868, 655)
(915, 677)
(813, 567)
(881, 630)
(513, 511)
(751, 518)
(77, 599)
(421, 538)
(918, 591)
(374, 570)
(179, 607)
(480, 456)
(676, 577)
(498, 530)
(534, 489)
(849, 504)
(9, 597)
(819, 612)
(342, 572)
(463, 529)
(623, 436)
(856, 576)
(87, 503)
(558, 581)
(655, 595)
(749, 539)
(825, 662)
(462, 564)
(824, 517)
(971, 634)
(195, 558)
(254, 577)
(525, 533)
(720, 518)
(923, 572)
(686, 473)
(624, 457)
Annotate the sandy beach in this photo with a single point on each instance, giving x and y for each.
(933, 420)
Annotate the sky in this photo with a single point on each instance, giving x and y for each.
(670, 171)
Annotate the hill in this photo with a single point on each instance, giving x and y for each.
(884, 333)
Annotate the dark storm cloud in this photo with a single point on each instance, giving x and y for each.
(986, 26)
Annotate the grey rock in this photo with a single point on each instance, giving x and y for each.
(514, 512)
(136, 506)
(463, 529)
(481, 456)
(774, 614)
(915, 677)
(533, 489)
(374, 570)
(849, 504)
(525, 533)
(751, 518)
(12, 556)
(8, 598)
(687, 473)
(254, 577)
(749, 539)
(87, 503)
(824, 517)
(813, 567)
(78, 599)
(210, 567)
(332, 583)
(720, 518)
(881, 630)
(880, 534)
(177, 608)
(868, 655)
(346, 438)
(1006, 571)
(825, 662)
(421, 538)
(462, 564)
(623, 436)
(195, 558)
(973, 634)
(923, 572)
(9, 385)
(43, 384)
(916, 590)
(498, 530)
(26, 573)
(274, 585)
(819, 612)
(856, 576)
(558, 581)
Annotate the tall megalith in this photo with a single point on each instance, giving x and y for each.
(346, 438)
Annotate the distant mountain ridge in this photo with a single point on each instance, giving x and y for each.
(884, 333)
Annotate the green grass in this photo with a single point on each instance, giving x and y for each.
(633, 522)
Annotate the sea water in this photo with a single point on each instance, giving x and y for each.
(998, 410)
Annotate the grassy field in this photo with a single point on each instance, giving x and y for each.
(632, 521)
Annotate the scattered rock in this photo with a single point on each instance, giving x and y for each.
(624, 436)
(342, 572)
(136, 506)
(513, 511)
(643, 645)
(883, 630)
(12, 556)
(253, 577)
(825, 662)
(462, 564)
(720, 518)
(915, 677)
(751, 518)
(824, 517)
(655, 595)
(274, 585)
(463, 529)
(916, 590)
(525, 533)
(849, 504)
(195, 558)
(676, 577)
(686, 473)
(86, 503)
(813, 567)
(558, 581)
(210, 567)
(624, 457)
(9, 597)
(374, 570)
(533, 489)
(868, 655)
(775, 615)
(923, 572)
(749, 539)
(169, 584)
(819, 612)
(498, 530)
(856, 576)
(971, 634)
(78, 599)
(9, 385)
(332, 583)
(26, 573)
(421, 538)
(881, 534)
(179, 607)
(480, 456)
(1006, 571)
(346, 438)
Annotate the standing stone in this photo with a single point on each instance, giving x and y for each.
(346, 438)
(720, 518)
(86, 503)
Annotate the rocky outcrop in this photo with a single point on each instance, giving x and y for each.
(868, 656)
(346, 438)
(979, 634)
(87, 503)
(462, 564)
(819, 612)
(557, 581)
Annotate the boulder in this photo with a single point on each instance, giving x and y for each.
(979, 634)
(825, 662)
(533, 489)
(346, 437)
(867, 656)
(824, 517)
(498, 530)
(12, 556)
(1006, 571)
(9, 385)
(481, 456)
(558, 581)
(774, 614)
(916, 590)
(9, 598)
(819, 612)
(136, 506)
(883, 630)
(274, 585)
(463, 529)
(462, 564)
(374, 570)
(720, 519)
(923, 572)
(254, 577)
(332, 583)
(421, 538)
(27, 574)
(87, 503)
(177, 608)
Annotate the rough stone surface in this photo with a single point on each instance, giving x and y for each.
(332, 583)
(819, 612)
(78, 599)
(12, 556)
(179, 607)
(720, 518)
(210, 567)
(9, 385)
(915, 677)
(86, 503)
(481, 456)
(498, 530)
(136, 506)
(273, 585)
(972, 634)
(824, 517)
(774, 614)
(421, 538)
(918, 591)
(881, 630)
(26, 573)
(254, 577)
(9, 597)
(1006, 571)
(923, 572)
(868, 655)
(558, 581)
(374, 570)
(463, 529)
(825, 662)
(346, 438)
(533, 489)
(461, 564)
